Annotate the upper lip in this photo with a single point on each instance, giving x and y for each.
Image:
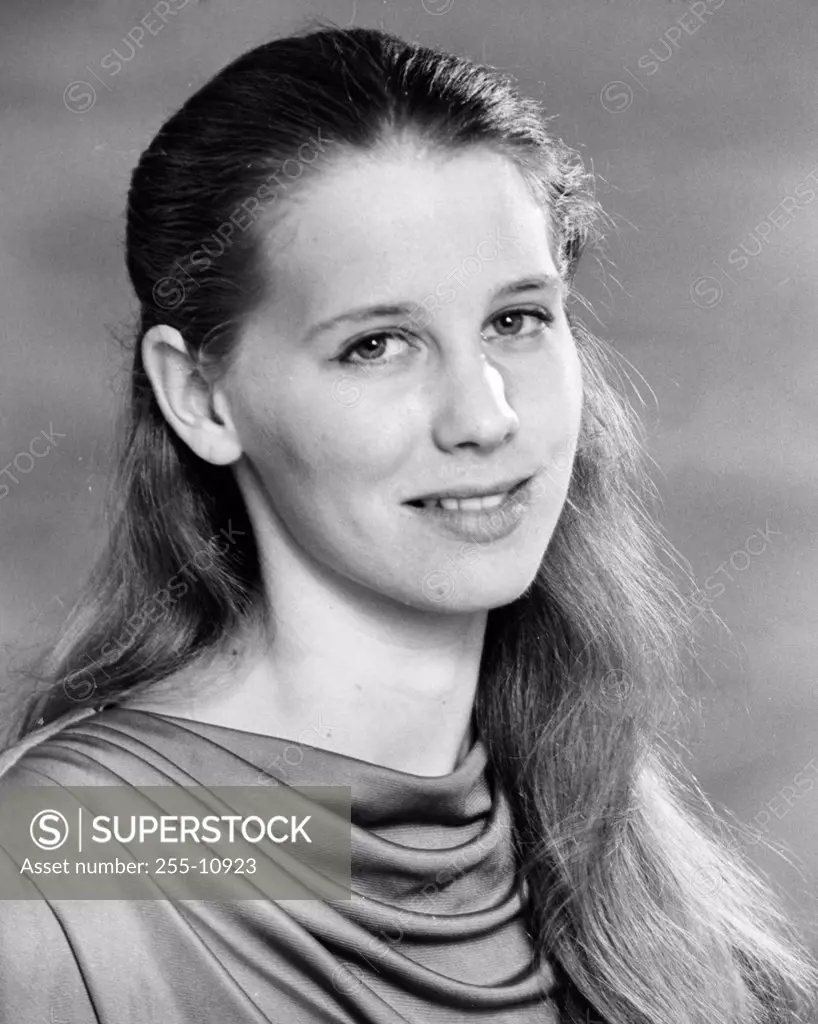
(473, 492)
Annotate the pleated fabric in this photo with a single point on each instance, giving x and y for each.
(434, 932)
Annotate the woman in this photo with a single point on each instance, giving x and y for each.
(353, 257)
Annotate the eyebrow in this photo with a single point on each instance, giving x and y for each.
(540, 282)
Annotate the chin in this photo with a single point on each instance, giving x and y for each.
(462, 589)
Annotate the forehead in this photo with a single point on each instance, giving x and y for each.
(374, 224)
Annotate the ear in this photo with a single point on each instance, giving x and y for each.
(197, 410)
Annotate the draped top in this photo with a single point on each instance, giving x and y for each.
(434, 932)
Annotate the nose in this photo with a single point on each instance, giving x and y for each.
(475, 410)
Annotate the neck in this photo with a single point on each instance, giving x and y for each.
(346, 671)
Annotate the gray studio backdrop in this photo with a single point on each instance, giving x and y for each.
(698, 119)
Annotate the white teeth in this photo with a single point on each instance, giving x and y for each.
(467, 504)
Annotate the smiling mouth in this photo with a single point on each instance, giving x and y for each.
(487, 502)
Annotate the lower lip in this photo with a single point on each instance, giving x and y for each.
(486, 524)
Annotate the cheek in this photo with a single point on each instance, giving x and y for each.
(573, 385)
(316, 442)
(566, 442)
(551, 395)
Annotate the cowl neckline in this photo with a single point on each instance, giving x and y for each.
(436, 844)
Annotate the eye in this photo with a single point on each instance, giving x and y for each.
(376, 342)
(512, 321)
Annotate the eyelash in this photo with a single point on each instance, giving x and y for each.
(543, 315)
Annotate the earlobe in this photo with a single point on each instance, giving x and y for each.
(199, 417)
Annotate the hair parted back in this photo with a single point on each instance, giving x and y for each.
(634, 894)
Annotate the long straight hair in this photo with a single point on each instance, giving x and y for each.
(635, 895)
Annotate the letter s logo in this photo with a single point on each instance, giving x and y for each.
(48, 829)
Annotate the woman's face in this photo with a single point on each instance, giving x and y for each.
(416, 344)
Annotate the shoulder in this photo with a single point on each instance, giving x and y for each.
(113, 746)
(86, 747)
(18, 759)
